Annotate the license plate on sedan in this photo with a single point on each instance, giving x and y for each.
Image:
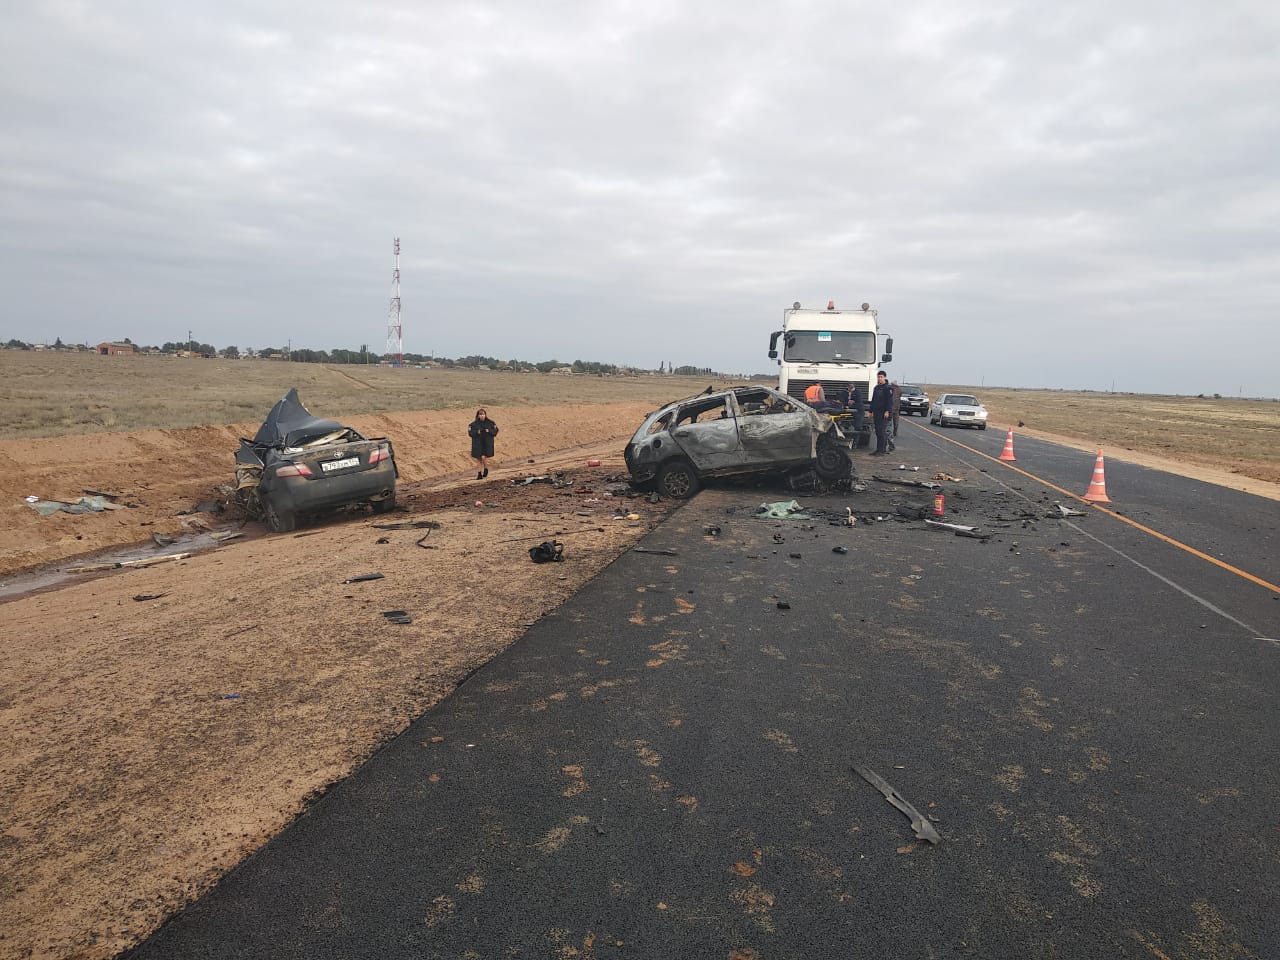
(340, 464)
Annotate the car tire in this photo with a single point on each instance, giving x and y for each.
(982, 426)
(386, 505)
(278, 521)
(676, 480)
(832, 461)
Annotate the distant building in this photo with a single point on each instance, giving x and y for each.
(116, 349)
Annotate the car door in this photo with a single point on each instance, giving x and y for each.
(778, 430)
(706, 431)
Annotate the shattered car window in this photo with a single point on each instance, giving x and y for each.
(713, 408)
(660, 424)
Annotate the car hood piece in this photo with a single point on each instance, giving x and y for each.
(290, 424)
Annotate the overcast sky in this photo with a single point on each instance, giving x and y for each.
(1063, 195)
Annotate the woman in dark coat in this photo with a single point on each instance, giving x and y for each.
(482, 431)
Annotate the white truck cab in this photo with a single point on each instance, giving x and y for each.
(837, 348)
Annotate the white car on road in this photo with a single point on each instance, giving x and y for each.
(958, 410)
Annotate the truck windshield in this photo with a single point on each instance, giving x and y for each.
(814, 346)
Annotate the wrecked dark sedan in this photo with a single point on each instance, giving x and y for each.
(299, 465)
(744, 430)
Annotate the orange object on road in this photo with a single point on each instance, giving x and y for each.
(1008, 447)
(939, 505)
(1097, 492)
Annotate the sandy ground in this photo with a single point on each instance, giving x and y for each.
(161, 723)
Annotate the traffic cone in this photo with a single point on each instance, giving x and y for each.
(1097, 492)
(1008, 447)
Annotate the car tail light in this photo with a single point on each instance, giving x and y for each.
(294, 470)
(378, 455)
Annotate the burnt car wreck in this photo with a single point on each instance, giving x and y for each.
(301, 465)
(737, 432)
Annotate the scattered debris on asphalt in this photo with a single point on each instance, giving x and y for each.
(781, 510)
(924, 830)
(839, 549)
(1068, 511)
(783, 605)
(956, 527)
(660, 553)
(926, 484)
(947, 476)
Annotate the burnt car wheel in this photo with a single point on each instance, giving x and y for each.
(677, 480)
(280, 521)
(833, 461)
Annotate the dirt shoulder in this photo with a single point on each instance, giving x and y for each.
(159, 476)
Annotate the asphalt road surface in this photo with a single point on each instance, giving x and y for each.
(1084, 708)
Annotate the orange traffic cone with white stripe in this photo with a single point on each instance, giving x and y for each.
(1008, 447)
(1097, 492)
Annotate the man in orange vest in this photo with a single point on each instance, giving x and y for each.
(814, 394)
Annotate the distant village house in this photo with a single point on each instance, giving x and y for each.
(116, 349)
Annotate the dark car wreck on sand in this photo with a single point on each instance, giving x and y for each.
(299, 465)
(735, 432)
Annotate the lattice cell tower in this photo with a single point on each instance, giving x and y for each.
(395, 329)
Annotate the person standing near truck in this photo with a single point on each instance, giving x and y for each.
(881, 411)
(896, 408)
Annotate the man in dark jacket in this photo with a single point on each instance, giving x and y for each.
(881, 408)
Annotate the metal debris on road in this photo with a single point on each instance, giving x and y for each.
(956, 527)
(1068, 511)
(660, 553)
(364, 577)
(148, 596)
(926, 484)
(924, 830)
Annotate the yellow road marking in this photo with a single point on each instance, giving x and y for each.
(1110, 513)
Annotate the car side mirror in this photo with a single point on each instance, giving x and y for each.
(773, 354)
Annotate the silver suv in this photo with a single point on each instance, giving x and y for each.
(733, 432)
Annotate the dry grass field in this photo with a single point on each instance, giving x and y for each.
(58, 394)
